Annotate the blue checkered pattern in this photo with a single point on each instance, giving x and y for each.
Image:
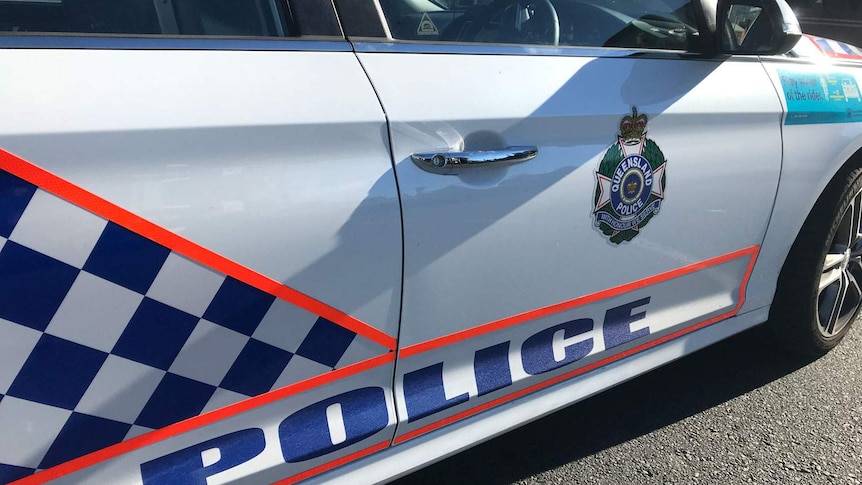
(832, 47)
(106, 335)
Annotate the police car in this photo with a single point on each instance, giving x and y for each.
(266, 241)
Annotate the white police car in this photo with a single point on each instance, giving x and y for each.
(257, 241)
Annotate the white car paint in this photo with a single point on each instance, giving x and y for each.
(233, 162)
(288, 168)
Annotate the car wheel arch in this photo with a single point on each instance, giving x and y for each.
(818, 219)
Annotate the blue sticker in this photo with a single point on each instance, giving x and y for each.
(817, 98)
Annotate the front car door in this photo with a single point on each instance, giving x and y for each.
(196, 282)
(637, 221)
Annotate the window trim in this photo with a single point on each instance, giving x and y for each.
(309, 19)
(162, 42)
(375, 45)
(362, 18)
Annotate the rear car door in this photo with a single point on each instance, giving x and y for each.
(576, 188)
(201, 243)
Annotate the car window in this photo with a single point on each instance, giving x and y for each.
(642, 24)
(747, 29)
(170, 17)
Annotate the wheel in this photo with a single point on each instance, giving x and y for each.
(818, 295)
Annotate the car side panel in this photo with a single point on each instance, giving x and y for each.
(813, 152)
(437, 445)
(504, 263)
(230, 149)
(195, 243)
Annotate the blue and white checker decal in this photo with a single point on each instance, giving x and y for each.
(836, 48)
(106, 335)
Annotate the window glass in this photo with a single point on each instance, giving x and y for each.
(748, 28)
(649, 24)
(170, 17)
(741, 18)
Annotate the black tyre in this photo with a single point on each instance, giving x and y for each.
(818, 295)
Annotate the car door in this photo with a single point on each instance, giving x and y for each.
(576, 188)
(201, 243)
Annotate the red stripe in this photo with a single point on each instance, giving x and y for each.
(99, 206)
(816, 42)
(333, 464)
(841, 55)
(595, 365)
(232, 410)
(202, 420)
(570, 304)
(828, 50)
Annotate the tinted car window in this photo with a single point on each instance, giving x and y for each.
(171, 17)
(651, 24)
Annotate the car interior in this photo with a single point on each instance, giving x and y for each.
(654, 24)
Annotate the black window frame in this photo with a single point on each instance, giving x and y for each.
(302, 20)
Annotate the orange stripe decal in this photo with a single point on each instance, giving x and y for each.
(571, 304)
(74, 194)
(66, 190)
(249, 404)
(198, 421)
(752, 252)
(334, 464)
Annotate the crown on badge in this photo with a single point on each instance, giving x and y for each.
(633, 127)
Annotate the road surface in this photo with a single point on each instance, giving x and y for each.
(737, 412)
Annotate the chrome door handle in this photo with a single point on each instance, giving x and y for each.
(444, 162)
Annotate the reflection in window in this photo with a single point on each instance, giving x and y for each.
(171, 17)
(741, 17)
(649, 24)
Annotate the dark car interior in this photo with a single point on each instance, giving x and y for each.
(592, 23)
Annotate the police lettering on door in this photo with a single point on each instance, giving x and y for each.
(348, 418)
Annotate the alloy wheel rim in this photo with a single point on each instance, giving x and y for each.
(839, 295)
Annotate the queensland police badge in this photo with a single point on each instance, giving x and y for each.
(630, 181)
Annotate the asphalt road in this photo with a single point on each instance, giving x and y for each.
(843, 26)
(737, 412)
